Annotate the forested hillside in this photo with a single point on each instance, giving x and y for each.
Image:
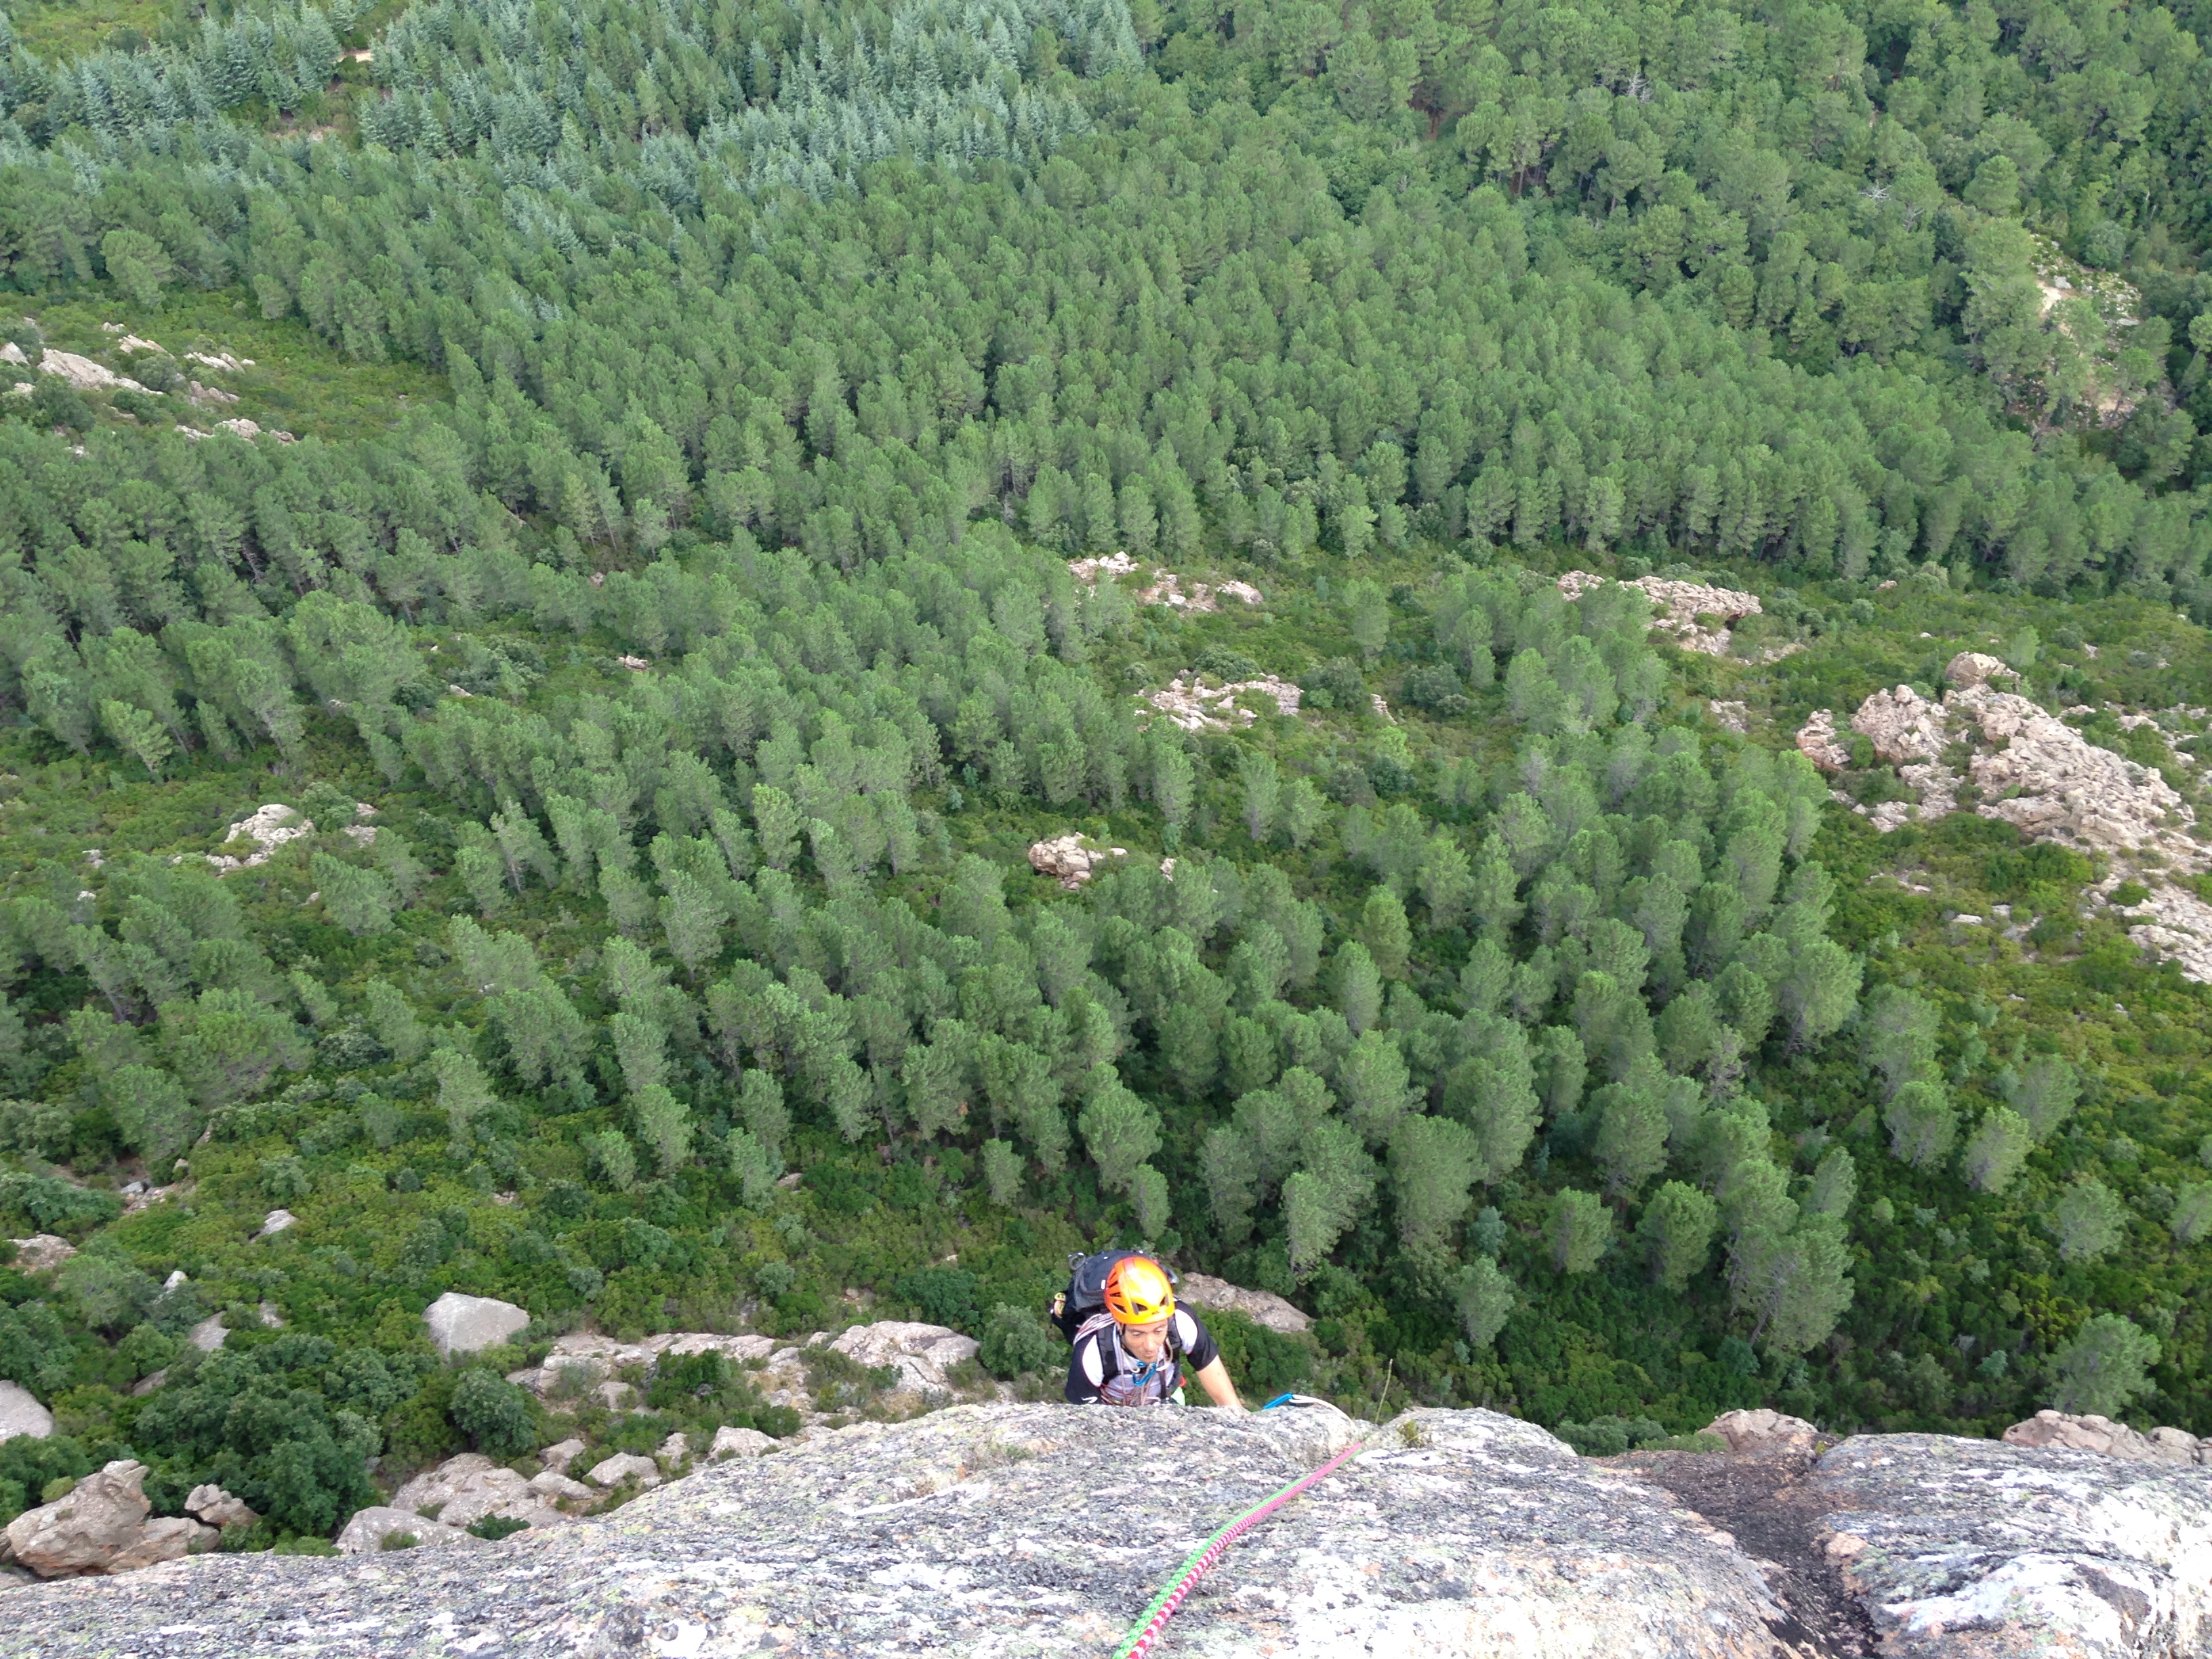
(549, 584)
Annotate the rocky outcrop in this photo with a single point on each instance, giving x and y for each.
(623, 1468)
(268, 828)
(1261, 1307)
(1163, 587)
(1023, 1531)
(1191, 703)
(1961, 1548)
(2090, 1433)
(21, 1416)
(40, 1253)
(1072, 859)
(466, 1324)
(1698, 617)
(1818, 742)
(1760, 1429)
(462, 1491)
(921, 1356)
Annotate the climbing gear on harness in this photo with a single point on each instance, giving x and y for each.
(1138, 1291)
(1153, 1621)
(1137, 1382)
(1086, 1288)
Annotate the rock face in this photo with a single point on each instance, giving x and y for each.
(217, 1508)
(1818, 742)
(21, 1415)
(1023, 1531)
(921, 1354)
(85, 1530)
(464, 1324)
(1973, 1547)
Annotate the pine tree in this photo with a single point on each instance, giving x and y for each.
(1677, 1233)
(1434, 1163)
(360, 901)
(1578, 1229)
(1996, 1149)
(664, 1123)
(1485, 1299)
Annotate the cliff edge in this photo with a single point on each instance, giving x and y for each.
(1010, 1531)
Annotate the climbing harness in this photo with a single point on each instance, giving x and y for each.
(1152, 1623)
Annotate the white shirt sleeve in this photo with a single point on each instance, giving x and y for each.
(1094, 1367)
(1186, 1330)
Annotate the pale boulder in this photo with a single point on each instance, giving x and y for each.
(41, 1252)
(169, 1538)
(21, 1417)
(921, 1354)
(212, 1504)
(624, 1465)
(365, 1533)
(464, 1324)
(1760, 1430)
(558, 1456)
(1972, 668)
(86, 1528)
(730, 1441)
(1818, 742)
(464, 1490)
(1261, 1307)
(557, 1488)
(675, 1452)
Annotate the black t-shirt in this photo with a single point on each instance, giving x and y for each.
(1099, 1362)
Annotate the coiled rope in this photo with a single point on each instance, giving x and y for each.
(1152, 1623)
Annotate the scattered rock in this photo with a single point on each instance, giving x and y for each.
(1733, 716)
(1818, 742)
(365, 1533)
(1166, 587)
(2092, 1433)
(467, 1488)
(268, 828)
(1261, 1307)
(212, 1504)
(41, 1253)
(86, 1527)
(276, 1221)
(222, 360)
(624, 1465)
(1071, 859)
(1759, 1429)
(635, 665)
(1902, 726)
(1197, 707)
(557, 1457)
(464, 1324)
(1959, 1549)
(209, 1335)
(21, 1417)
(203, 396)
(253, 429)
(674, 1452)
(730, 1441)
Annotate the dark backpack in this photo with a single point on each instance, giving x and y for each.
(1085, 1294)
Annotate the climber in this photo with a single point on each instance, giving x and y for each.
(1131, 1354)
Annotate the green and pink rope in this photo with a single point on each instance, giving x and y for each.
(1152, 1623)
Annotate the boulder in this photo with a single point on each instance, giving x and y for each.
(464, 1324)
(464, 1490)
(169, 1538)
(1972, 668)
(86, 1528)
(1071, 859)
(675, 1452)
(1902, 726)
(730, 1441)
(558, 1456)
(624, 1465)
(41, 1252)
(277, 1221)
(921, 1354)
(1959, 1549)
(1758, 1431)
(555, 1487)
(2092, 1433)
(21, 1417)
(1261, 1307)
(209, 1335)
(365, 1533)
(212, 1504)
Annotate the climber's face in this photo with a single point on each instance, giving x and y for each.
(1145, 1342)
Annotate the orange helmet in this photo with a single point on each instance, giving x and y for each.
(1138, 1291)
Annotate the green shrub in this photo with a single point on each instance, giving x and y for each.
(1609, 1437)
(498, 1526)
(1017, 1339)
(493, 1413)
(945, 1296)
